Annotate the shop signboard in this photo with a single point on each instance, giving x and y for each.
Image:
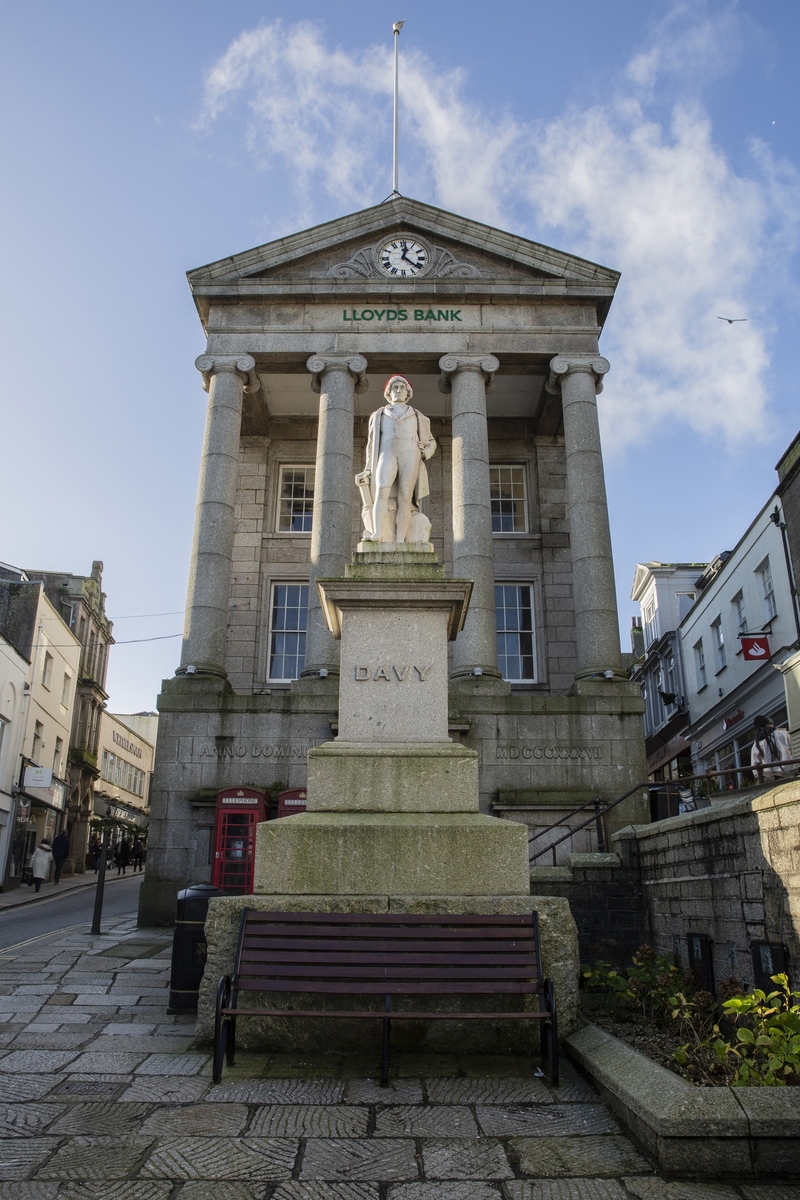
(38, 777)
(755, 649)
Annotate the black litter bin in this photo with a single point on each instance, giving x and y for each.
(189, 945)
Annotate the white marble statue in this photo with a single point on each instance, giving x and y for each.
(395, 479)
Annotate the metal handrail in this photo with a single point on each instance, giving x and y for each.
(601, 808)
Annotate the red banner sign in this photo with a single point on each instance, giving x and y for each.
(755, 649)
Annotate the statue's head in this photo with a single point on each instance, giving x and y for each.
(398, 390)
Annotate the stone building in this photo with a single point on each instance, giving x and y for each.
(38, 723)
(82, 603)
(499, 338)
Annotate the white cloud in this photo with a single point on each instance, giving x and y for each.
(654, 198)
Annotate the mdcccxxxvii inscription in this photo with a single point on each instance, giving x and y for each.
(572, 753)
(390, 673)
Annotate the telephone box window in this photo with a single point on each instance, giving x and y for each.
(296, 499)
(516, 658)
(287, 635)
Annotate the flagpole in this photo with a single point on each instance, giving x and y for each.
(398, 25)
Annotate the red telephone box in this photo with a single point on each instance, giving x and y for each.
(292, 802)
(239, 811)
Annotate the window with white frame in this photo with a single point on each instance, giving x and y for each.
(650, 614)
(38, 744)
(47, 669)
(719, 643)
(508, 499)
(287, 631)
(3, 724)
(700, 664)
(516, 649)
(671, 673)
(685, 602)
(739, 614)
(295, 499)
(67, 680)
(58, 753)
(764, 573)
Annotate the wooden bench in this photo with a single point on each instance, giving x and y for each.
(385, 955)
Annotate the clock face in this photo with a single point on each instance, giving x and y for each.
(402, 258)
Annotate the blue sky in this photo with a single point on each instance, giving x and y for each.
(139, 141)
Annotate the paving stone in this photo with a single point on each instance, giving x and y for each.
(64, 1017)
(575, 1091)
(146, 1044)
(309, 1120)
(304, 1066)
(487, 1091)
(132, 1190)
(554, 1120)
(307, 1189)
(172, 1064)
(28, 1191)
(101, 1120)
(68, 1039)
(222, 1158)
(443, 1191)
(26, 1087)
(87, 1158)
(24, 1061)
(26, 1120)
(365, 1159)
(162, 1089)
(412, 1121)
(582, 1156)
(20, 1156)
(370, 1091)
(197, 1120)
(658, 1189)
(459, 1159)
(128, 1028)
(21, 1004)
(566, 1189)
(759, 1191)
(206, 1190)
(279, 1091)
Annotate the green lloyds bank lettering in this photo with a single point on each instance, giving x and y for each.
(401, 314)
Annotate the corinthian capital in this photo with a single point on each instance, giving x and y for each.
(563, 365)
(239, 364)
(451, 364)
(355, 364)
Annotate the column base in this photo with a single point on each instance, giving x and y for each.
(200, 668)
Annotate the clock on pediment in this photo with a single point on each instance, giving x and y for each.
(402, 257)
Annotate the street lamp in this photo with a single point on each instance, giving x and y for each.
(101, 874)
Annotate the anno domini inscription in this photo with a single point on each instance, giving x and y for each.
(390, 673)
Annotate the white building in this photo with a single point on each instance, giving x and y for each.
(744, 592)
(40, 636)
(125, 758)
(14, 699)
(665, 593)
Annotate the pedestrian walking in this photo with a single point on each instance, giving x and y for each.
(770, 745)
(96, 851)
(60, 854)
(138, 855)
(41, 862)
(123, 856)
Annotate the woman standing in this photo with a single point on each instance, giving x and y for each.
(41, 863)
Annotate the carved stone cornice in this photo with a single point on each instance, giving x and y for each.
(241, 364)
(355, 364)
(450, 364)
(561, 366)
(364, 264)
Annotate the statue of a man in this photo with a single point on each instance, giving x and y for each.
(398, 446)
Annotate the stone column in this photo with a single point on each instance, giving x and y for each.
(466, 377)
(337, 378)
(579, 379)
(205, 631)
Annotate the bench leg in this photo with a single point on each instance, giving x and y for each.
(220, 1046)
(230, 1050)
(552, 1034)
(385, 1048)
(221, 1026)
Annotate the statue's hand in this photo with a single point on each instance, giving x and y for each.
(363, 478)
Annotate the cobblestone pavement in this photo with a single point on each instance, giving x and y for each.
(102, 1095)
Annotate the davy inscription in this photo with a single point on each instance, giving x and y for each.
(392, 674)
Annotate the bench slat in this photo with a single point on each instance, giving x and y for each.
(388, 947)
(445, 986)
(421, 959)
(290, 918)
(379, 1014)
(313, 971)
(374, 932)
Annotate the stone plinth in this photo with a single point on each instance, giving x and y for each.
(394, 616)
(402, 777)
(411, 854)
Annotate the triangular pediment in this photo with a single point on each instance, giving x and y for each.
(456, 249)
